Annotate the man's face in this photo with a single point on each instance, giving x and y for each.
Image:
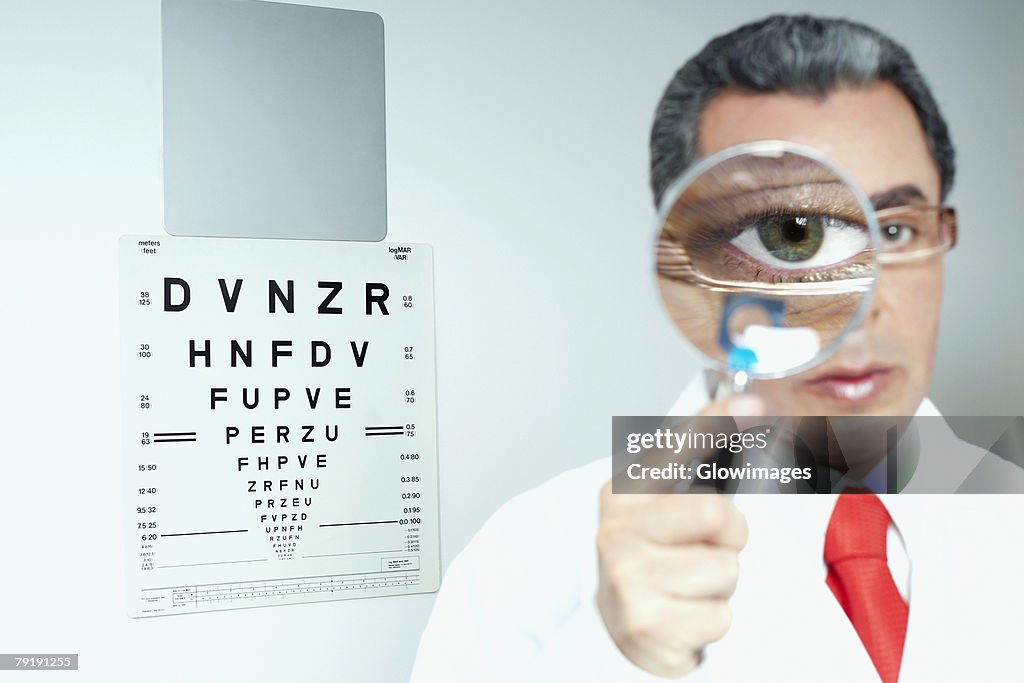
(885, 366)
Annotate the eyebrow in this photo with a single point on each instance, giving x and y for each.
(901, 195)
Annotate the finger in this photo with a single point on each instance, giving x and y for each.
(679, 442)
(737, 405)
(686, 519)
(748, 410)
(660, 470)
(734, 532)
(666, 663)
(705, 621)
(684, 440)
(693, 572)
(670, 625)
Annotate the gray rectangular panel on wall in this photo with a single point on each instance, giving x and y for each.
(274, 121)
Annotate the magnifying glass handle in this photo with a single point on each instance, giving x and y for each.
(740, 381)
(735, 382)
(726, 384)
(737, 376)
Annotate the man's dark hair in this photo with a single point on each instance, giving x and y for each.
(803, 55)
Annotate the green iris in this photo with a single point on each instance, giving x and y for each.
(792, 238)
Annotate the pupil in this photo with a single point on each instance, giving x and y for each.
(792, 231)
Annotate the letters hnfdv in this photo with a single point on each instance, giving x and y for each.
(178, 296)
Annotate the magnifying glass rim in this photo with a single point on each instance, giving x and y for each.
(775, 148)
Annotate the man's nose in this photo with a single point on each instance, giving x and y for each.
(881, 298)
(858, 346)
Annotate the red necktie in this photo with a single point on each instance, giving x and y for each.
(859, 577)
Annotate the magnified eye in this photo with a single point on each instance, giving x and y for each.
(801, 241)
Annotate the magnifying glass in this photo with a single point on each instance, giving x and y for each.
(765, 259)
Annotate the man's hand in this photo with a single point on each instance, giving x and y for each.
(668, 565)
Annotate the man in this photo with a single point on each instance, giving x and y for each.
(573, 582)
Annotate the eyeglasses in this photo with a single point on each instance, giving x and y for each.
(912, 233)
(908, 234)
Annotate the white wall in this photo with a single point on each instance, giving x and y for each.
(517, 147)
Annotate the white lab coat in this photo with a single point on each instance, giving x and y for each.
(518, 603)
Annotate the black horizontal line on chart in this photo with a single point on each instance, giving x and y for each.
(203, 564)
(204, 533)
(365, 552)
(385, 521)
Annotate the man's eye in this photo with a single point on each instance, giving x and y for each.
(798, 242)
(792, 238)
(897, 234)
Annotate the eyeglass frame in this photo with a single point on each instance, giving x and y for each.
(947, 225)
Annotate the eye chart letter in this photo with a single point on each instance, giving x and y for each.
(279, 422)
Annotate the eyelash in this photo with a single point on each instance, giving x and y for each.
(774, 276)
(747, 220)
(737, 258)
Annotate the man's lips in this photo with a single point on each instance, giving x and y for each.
(851, 386)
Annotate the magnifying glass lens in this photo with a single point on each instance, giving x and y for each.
(770, 249)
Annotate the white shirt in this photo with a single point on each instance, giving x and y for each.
(518, 604)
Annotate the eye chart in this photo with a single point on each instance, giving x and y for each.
(279, 422)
